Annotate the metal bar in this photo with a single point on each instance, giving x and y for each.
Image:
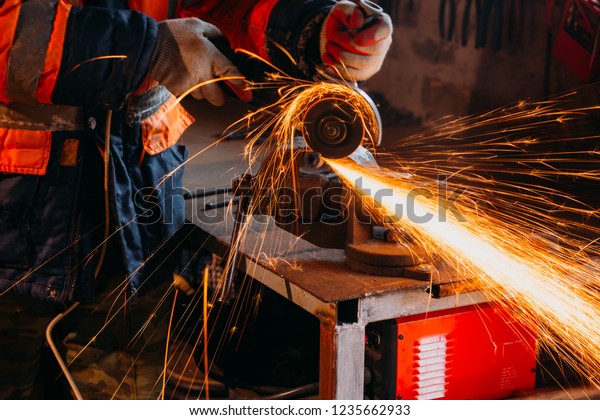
(221, 204)
(411, 302)
(206, 192)
(342, 361)
(234, 248)
(327, 363)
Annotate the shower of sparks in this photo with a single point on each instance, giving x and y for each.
(557, 286)
(479, 194)
(497, 213)
(485, 195)
(280, 123)
(91, 60)
(274, 151)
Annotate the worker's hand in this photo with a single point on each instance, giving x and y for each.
(352, 46)
(185, 57)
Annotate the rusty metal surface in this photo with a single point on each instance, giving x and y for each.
(321, 272)
(327, 363)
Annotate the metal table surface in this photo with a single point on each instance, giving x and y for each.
(316, 279)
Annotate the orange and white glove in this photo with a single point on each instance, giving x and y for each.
(353, 45)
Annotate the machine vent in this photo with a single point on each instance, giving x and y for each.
(431, 357)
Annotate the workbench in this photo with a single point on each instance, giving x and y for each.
(315, 279)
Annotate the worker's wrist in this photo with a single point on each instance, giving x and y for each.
(308, 45)
(165, 54)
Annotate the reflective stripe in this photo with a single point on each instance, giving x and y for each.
(54, 53)
(9, 12)
(41, 117)
(24, 151)
(32, 35)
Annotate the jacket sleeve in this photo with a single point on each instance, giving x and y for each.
(273, 29)
(62, 54)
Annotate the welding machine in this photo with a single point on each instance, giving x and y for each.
(474, 352)
(576, 45)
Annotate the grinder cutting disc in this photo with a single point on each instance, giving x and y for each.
(333, 128)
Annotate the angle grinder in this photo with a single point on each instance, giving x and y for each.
(335, 126)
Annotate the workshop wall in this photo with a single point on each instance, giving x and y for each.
(432, 78)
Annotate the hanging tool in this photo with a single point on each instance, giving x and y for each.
(447, 17)
(490, 18)
(466, 20)
(515, 21)
(549, 42)
(498, 25)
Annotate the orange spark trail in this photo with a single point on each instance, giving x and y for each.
(556, 288)
(507, 243)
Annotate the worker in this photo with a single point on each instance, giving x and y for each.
(87, 101)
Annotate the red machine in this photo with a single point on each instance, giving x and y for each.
(578, 37)
(475, 352)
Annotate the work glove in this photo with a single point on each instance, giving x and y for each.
(353, 45)
(185, 56)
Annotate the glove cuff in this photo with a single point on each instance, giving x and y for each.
(309, 45)
(165, 54)
(295, 26)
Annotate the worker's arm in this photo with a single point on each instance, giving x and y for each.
(312, 32)
(265, 27)
(51, 52)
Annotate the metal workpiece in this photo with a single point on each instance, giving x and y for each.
(313, 204)
(365, 252)
(363, 157)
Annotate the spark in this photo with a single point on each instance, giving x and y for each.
(205, 278)
(104, 57)
(167, 342)
(520, 240)
(554, 286)
(514, 242)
